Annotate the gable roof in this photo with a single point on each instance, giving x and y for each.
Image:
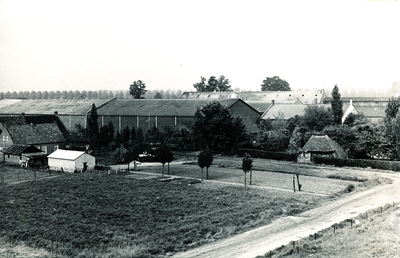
(35, 134)
(12, 120)
(17, 149)
(323, 144)
(260, 106)
(359, 99)
(156, 107)
(66, 154)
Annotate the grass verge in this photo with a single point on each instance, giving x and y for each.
(375, 233)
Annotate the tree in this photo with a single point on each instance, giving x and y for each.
(345, 136)
(164, 155)
(93, 127)
(392, 108)
(337, 106)
(213, 84)
(223, 84)
(247, 164)
(297, 140)
(137, 89)
(205, 160)
(126, 134)
(200, 86)
(111, 132)
(214, 127)
(157, 95)
(104, 136)
(317, 117)
(355, 119)
(274, 84)
(133, 136)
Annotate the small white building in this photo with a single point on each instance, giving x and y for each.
(70, 161)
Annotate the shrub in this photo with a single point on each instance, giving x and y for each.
(350, 188)
(364, 163)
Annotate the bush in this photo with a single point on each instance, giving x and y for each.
(350, 188)
(268, 154)
(364, 163)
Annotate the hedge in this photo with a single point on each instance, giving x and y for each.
(378, 164)
(268, 154)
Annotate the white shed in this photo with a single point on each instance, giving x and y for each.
(71, 160)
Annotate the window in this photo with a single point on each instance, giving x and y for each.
(7, 138)
(44, 149)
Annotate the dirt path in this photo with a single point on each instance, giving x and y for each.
(284, 230)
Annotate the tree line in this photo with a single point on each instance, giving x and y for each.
(100, 94)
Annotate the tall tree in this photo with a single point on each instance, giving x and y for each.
(214, 126)
(137, 89)
(337, 106)
(223, 84)
(93, 127)
(111, 132)
(274, 84)
(200, 86)
(126, 134)
(392, 108)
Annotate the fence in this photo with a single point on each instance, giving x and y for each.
(307, 246)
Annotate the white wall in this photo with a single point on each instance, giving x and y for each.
(71, 165)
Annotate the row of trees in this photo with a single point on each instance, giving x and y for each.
(100, 94)
(360, 137)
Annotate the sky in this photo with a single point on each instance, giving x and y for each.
(98, 45)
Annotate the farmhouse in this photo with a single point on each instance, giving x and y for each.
(320, 145)
(44, 132)
(71, 161)
(161, 113)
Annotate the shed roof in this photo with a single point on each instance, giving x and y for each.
(66, 154)
(17, 149)
(323, 144)
(35, 133)
(156, 107)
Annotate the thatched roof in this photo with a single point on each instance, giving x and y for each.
(323, 144)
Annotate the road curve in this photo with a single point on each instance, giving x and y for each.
(286, 229)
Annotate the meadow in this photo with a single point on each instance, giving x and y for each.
(92, 215)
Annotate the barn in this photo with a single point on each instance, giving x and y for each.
(71, 161)
(322, 146)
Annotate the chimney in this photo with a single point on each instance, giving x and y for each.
(56, 113)
(23, 114)
(351, 102)
(273, 102)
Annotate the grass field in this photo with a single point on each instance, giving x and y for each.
(15, 174)
(134, 215)
(92, 215)
(372, 234)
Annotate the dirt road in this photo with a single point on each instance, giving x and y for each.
(284, 230)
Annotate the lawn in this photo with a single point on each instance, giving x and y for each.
(372, 234)
(92, 215)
